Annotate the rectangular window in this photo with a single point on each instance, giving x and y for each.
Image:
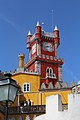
(26, 87)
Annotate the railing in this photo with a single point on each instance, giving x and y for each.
(36, 109)
(26, 109)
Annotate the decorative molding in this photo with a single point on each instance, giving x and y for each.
(50, 85)
(43, 86)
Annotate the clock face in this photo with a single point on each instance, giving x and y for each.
(47, 46)
(33, 48)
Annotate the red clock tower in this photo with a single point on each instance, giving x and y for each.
(43, 55)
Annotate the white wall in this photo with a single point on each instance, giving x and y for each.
(54, 108)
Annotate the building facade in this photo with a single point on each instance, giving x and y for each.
(40, 77)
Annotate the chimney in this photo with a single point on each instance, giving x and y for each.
(21, 60)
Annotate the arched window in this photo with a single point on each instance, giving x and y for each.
(26, 87)
(49, 72)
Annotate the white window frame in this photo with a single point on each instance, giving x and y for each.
(47, 74)
(26, 87)
(50, 74)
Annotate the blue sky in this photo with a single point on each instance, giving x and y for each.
(17, 17)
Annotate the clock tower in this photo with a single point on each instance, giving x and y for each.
(43, 59)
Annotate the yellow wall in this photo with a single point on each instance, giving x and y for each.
(34, 80)
(63, 93)
(37, 97)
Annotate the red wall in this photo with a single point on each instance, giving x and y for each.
(44, 65)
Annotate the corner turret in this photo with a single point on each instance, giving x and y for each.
(56, 39)
(28, 39)
(56, 31)
(38, 30)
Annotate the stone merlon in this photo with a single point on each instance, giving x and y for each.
(54, 108)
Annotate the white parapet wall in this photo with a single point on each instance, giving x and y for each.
(54, 108)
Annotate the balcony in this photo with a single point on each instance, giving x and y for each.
(27, 109)
(34, 109)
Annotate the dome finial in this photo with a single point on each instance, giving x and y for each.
(38, 24)
(29, 33)
(56, 28)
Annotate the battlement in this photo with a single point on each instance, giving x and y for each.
(48, 34)
(44, 34)
(55, 100)
(75, 88)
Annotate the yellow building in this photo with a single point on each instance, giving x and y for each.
(35, 94)
(29, 88)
